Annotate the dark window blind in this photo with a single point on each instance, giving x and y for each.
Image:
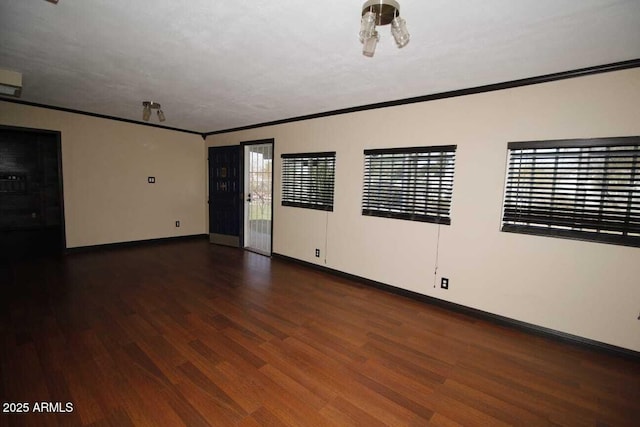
(582, 189)
(308, 180)
(409, 183)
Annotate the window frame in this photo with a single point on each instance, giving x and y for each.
(579, 229)
(319, 198)
(424, 207)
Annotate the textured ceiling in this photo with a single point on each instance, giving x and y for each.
(222, 64)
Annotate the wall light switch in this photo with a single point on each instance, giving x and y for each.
(151, 180)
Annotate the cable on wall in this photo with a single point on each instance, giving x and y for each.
(435, 271)
(326, 237)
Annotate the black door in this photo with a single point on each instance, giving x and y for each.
(224, 195)
(31, 212)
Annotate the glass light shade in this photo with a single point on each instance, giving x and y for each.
(146, 113)
(370, 45)
(9, 90)
(367, 26)
(399, 31)
(161, 116)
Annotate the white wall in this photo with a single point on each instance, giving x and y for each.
(587, 289)
(105, 167)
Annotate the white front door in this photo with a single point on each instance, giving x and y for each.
(258, 185)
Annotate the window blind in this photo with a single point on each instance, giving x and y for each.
(308, 180)
(409, 183)
(584, 189)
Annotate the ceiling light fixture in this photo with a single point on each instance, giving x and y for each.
(147, 106)
(381, 12)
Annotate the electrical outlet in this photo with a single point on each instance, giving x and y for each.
(151, 180)
(317, 253)
(444, 283)
(177, 223)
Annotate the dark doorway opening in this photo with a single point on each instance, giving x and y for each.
(31, 201)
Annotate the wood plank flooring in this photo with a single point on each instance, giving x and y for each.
(191, 334)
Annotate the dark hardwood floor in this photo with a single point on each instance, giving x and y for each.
(191, 334)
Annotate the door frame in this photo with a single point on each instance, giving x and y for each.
(242, 182)
(57, 135)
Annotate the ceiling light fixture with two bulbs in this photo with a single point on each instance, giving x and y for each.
(147, 106)
(381, 12)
